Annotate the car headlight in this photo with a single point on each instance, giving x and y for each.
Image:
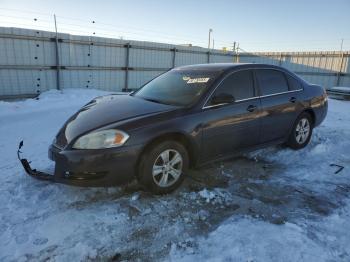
(101, 139)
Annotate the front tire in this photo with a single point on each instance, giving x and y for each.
(301, 132)
(162, 167)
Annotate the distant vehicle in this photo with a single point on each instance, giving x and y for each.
(186, 117)
(339, 92)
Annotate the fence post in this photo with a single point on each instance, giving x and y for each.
(126, 85)
(174, 56)
(57, 59)
(340, 68)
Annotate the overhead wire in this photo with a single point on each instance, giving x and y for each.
(96, 28)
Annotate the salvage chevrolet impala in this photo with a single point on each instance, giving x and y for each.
(184, 118)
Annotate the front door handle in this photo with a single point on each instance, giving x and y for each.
(293, 99)
(251, 108)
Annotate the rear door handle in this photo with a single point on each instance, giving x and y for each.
(293, 99)
(251, 108)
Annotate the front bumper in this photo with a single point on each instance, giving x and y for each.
(99, 167)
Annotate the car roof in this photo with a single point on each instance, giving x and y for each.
(225, 66)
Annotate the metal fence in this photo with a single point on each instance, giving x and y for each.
(34, 61)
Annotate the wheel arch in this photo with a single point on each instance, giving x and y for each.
(174, 136)
(308, 111)
(311, 113)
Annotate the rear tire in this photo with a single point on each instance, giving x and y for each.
(301, 132)
(162, 167)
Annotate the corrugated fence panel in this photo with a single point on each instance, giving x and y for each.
(188, 58)
(109, 80)
(150, 58)
(325, 81)
(345, 81)
(76, 78)
(28, 62)
(221, 58)
(258, 59)
(138, 78)
(26, 52)
(316, 67)
(106, 56)
(74, 54)
(21, 82)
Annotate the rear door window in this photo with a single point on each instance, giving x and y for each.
(239, 84)
(271, 81)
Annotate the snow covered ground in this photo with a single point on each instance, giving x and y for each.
(270, 205)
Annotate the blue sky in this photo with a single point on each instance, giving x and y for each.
(269, 25)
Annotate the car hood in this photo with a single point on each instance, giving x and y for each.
(106, 110)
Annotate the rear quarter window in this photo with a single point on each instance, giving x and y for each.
(293, 83)
(271, 81)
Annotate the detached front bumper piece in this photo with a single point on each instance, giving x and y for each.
(32, 172)
(102, 167)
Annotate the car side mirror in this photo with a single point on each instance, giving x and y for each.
(222, 98)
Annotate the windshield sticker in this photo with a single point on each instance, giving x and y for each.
(190, 80)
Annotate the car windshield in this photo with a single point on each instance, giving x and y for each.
(178, 87)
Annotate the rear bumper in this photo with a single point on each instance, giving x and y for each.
(100, 167)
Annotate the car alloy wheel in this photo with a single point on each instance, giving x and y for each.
(167, 168)
(302, 131)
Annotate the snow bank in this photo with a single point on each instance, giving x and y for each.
(229, 221)
(247, 239)
(326, 239)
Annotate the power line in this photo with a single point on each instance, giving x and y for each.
(97, 28)
(89, 22)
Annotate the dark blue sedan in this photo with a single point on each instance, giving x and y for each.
(186, 117)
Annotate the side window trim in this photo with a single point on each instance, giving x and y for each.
(255, 90)
(286, 74)
(279, 93)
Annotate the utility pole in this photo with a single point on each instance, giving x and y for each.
(237, 56)
(57, 58)
(210, 31)
(213, 44)
(234, 55)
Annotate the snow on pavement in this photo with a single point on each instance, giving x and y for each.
(270, 205)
